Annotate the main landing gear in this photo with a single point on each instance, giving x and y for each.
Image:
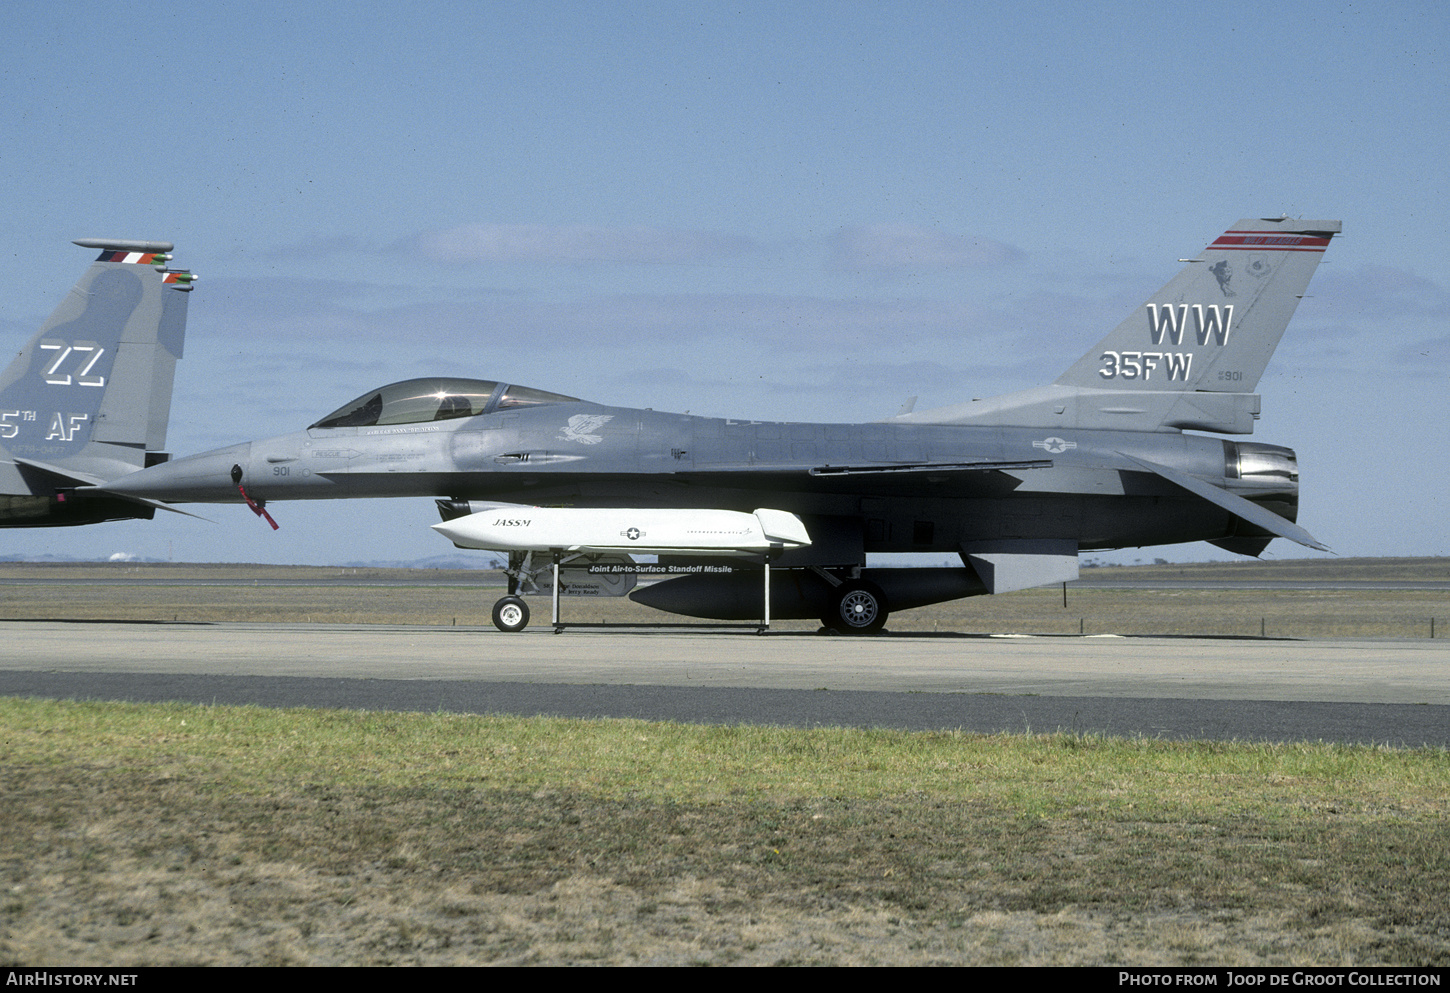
(857, 607)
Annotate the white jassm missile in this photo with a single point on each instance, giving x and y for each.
(594, 529)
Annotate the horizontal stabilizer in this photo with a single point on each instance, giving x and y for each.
(1246, 509)
(57, 476)
(125, 245)
(158, 505)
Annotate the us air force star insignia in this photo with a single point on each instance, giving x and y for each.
(1054, 445)
(633, 534)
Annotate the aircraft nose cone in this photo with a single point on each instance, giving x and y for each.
(201, 478)
(455, 531)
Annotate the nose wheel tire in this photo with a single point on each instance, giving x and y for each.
(857, 607)
(511, 614)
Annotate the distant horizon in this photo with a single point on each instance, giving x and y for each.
(1088, 562)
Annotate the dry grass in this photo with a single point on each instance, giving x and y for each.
(357, 596)
(1274, 613)
(151, 835)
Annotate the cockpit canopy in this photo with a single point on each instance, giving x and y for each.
(415, 401)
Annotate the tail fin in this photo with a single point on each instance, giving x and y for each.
(1214, 327)
(92, 390)
(1192, 355)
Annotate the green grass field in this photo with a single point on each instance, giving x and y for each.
(215, 835)
(172, 834)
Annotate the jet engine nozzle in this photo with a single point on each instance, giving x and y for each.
(1259, 471)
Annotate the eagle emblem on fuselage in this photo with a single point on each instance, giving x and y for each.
(581, 428)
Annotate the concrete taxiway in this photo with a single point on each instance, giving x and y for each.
(1343, 690)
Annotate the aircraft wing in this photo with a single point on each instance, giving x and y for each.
(938, 467)
(1234, 504)
(871, 469)
(982, 478)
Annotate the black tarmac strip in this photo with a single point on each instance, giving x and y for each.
(1383, 724)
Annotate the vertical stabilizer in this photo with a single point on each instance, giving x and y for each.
(1214, 327)
(1191, 356)
(91, 392)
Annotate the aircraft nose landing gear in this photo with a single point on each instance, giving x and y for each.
(511, 613)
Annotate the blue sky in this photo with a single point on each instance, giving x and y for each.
(783, 211)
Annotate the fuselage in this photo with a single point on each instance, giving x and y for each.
(901, 487)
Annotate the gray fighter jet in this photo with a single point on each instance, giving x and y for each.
(87, 398)
(1110, 455)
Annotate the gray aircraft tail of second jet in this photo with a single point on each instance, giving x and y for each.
(89, 395)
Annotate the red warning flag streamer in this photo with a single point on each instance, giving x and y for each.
(257, 508)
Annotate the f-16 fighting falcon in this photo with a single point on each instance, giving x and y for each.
(1122, 450)
(87, 398)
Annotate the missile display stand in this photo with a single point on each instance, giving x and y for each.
(506, 606)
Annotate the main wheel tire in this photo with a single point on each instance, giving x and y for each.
(857, 607)
(511, 614)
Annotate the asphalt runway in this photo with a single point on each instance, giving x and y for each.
(1394, 692)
